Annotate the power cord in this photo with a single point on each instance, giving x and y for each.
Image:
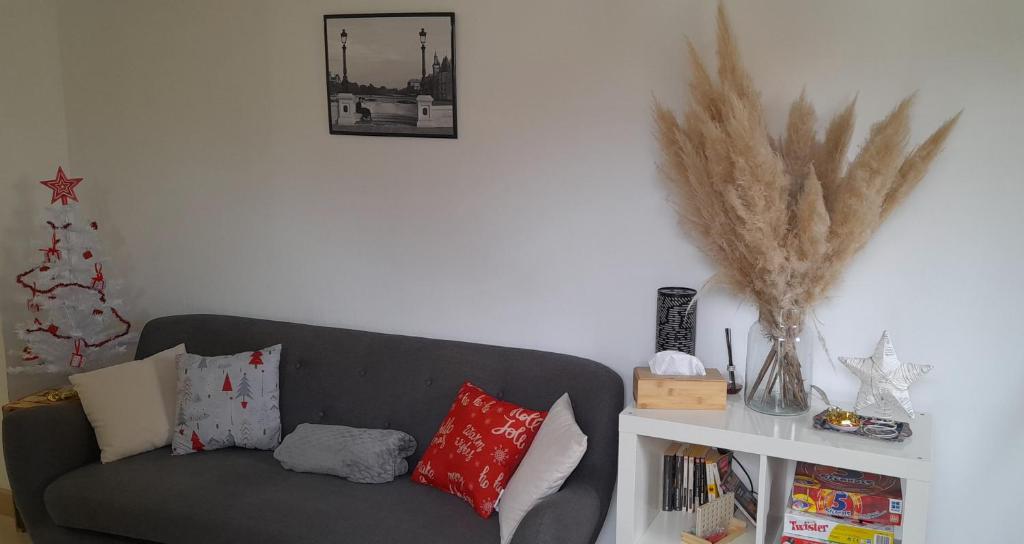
(749, 479)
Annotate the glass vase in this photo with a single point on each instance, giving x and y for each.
(780, 358)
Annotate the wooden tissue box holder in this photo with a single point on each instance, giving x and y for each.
(678, 392)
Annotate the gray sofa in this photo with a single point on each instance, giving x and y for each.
(328, 375)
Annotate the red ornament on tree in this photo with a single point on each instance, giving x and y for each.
(52, 251)
(98, 282)
(77, 360)
(27, 355)
(33, 305)
(63, 187)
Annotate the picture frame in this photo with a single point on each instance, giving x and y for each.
(381, 80)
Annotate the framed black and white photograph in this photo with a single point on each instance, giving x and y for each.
(391, 74)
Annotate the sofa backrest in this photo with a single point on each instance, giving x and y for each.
(374, 380)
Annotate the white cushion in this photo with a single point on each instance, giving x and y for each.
(131, 406)
(554, 454)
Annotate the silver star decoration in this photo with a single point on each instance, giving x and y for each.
(883, 378)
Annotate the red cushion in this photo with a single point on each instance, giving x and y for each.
(478, 448)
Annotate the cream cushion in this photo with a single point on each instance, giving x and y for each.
(554, 454)
(131, 406)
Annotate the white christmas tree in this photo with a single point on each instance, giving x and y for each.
(75, 323)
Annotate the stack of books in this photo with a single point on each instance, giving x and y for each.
(692, 476)
(838, 506)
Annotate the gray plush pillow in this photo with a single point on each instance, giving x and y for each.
(367, 456)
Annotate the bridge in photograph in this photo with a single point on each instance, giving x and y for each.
(391, 114)
(389, 111)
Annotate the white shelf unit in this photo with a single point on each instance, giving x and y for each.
(778, 443)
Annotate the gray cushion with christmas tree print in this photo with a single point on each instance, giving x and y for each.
(228, 401)
(366, 456)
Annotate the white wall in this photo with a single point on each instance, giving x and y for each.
(200, 130)
(33, 141)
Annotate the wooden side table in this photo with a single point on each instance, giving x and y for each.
(39, 398)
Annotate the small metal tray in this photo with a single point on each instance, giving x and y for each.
(902, 428)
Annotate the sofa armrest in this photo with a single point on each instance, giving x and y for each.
(570, 516)
(41, 444)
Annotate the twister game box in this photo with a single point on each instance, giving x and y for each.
(801, 528)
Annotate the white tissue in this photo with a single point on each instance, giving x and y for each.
(676, 363)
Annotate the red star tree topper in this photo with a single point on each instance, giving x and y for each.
(74, 323)
(63, 187)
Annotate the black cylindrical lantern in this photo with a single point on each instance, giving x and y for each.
(677, 320)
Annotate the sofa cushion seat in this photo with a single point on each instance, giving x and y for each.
(236, 495)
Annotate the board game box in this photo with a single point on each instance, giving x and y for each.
(789, 539)
(800, 527)
(850, 494)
